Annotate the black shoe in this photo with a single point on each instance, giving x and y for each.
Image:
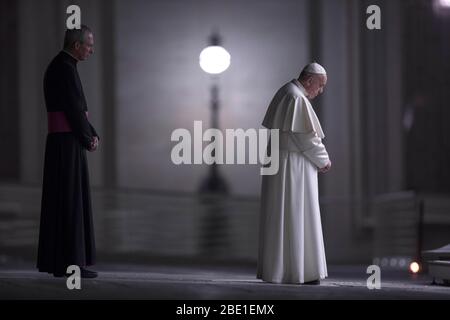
(314, 282)
(88, 273)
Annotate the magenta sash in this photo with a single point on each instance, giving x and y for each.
(57, 122)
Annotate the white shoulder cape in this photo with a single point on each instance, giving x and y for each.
(290, 110)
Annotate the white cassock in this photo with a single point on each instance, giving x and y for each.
(291, 248)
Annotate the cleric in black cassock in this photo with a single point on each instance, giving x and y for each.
(66, 230)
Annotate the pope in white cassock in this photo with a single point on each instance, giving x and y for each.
(291, 248)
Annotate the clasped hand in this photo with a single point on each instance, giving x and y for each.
(326, 168)
(94, 144)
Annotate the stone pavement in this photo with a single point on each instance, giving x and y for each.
(211, 282)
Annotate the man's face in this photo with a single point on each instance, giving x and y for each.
(316, 84)
(84, 49)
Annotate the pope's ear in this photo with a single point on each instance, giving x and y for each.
(77, 45)
(308, 81)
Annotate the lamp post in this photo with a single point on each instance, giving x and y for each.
(214, 60)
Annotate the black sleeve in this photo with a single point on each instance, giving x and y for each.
(73, 107)
(94, 133)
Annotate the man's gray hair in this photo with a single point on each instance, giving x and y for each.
(74, 35)
(305, 75)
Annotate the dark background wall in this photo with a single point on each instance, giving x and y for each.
(9, 112)
(383, 112)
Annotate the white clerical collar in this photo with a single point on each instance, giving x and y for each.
(300, 86)
(70, 54)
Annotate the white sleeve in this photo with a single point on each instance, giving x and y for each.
(312, 147)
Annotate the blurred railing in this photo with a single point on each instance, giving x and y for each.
(141, 223)
(407, 223)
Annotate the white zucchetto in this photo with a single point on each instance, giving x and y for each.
(315, 68)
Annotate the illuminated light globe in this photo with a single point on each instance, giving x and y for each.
(441, 6)
(214, 59)
(444, 3)
(414, 267)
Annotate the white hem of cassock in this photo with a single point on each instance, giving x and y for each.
(291, 247)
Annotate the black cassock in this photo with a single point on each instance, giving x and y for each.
(66, 234)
